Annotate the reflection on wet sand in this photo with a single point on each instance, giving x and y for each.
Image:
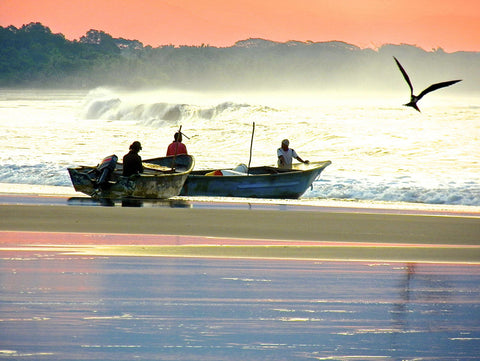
(57, 306)
(401, 307)
(129, 202)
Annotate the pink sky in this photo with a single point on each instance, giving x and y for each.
(451, 25)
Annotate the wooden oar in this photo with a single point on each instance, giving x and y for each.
(176, 148)
(186, 136)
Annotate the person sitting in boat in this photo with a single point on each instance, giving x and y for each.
(132, 162)
(177, 147)
(286, 154)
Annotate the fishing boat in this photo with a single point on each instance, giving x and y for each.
(162, 178)
(254, 182)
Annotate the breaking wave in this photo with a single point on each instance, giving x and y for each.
(112, 107)
(368, 189)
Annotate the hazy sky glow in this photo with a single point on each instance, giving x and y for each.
(451, 25)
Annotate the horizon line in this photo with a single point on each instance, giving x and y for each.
(206, 44)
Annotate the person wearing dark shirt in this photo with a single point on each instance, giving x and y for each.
(132, 162)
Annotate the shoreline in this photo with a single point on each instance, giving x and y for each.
(239, 228)
(38, 194)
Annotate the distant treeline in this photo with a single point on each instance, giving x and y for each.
(35, 57)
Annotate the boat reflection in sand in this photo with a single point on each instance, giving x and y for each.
(129, 202)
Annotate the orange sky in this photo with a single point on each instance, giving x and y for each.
(450, 24)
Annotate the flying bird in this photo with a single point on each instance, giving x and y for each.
(415, 98)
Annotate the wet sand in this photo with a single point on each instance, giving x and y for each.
(71, 307)
(323, 234)
(87, 283)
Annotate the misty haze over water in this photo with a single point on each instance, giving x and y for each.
(32, 56)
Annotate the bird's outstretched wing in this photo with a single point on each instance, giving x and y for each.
(436, 86)
(405, 75)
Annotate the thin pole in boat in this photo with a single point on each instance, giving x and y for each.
(186, 136)
(176, 149)
(251, 146)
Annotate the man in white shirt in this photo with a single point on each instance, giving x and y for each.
(286, 154)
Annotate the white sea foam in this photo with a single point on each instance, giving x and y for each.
(380, 151)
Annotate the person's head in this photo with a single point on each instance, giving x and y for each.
(136, 146)
(285, 144)
(177, 137)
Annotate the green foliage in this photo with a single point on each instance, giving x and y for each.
(34, 56)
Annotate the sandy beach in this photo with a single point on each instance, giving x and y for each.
(240, 223)
(316, 233)
(195, 280)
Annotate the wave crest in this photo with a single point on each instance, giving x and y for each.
(111, 107)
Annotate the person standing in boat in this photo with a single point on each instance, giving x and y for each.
(286, 155)
(132, 162)
(177, 147)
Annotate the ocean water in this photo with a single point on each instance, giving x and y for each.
(380, 150)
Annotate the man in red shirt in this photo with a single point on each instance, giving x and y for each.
(177, 147)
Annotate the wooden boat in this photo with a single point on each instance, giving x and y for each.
(162, 178)
(258, 182)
